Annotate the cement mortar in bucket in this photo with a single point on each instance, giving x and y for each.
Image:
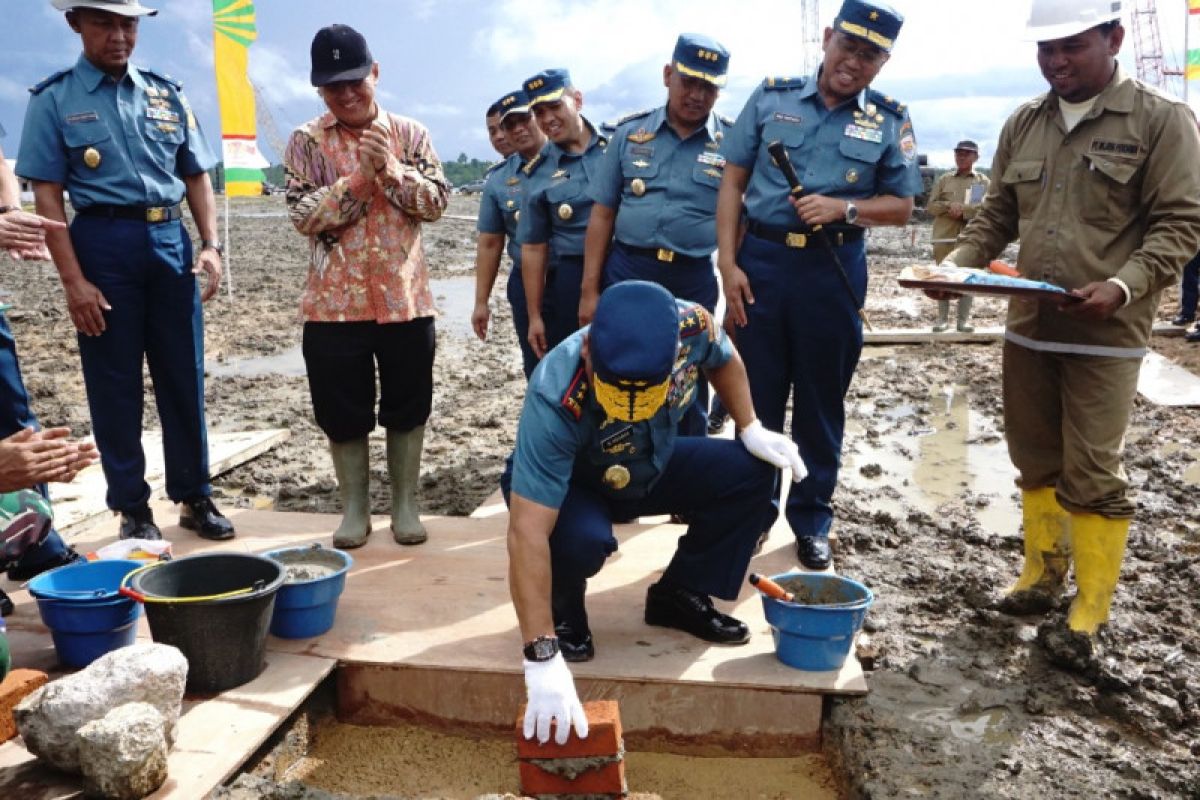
(816, 630)
(314, 579)
(214, 607)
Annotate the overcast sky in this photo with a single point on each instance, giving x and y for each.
(961, 66)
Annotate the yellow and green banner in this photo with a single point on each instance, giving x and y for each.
(233, 32)
(1192, 70)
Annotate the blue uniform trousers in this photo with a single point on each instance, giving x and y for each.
(715, 483)
(686, 279)
(560, 300)
(144, 271)
(515, 290)
(803, 339)
(1189, 287)
(15, 415)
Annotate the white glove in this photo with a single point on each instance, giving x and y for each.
(550, 692)
(774, 448)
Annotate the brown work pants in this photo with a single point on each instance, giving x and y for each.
(1065, 417)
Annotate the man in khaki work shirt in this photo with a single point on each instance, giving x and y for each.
(1100, 180)
(954, 200)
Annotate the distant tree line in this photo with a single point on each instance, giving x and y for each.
(464, 170)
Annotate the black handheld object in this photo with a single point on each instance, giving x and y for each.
(779, 155)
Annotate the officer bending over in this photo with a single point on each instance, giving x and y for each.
(597, 443)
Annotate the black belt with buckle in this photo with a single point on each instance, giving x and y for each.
(838, 234)
(664, 255)
(152, 214)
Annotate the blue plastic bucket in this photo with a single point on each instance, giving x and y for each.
(80, 605)
(306, 604)
(815, 633)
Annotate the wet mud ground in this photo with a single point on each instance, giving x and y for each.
(963, 702)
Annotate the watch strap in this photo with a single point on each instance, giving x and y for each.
(543, 648)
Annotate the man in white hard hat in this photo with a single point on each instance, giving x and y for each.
(1099, 179)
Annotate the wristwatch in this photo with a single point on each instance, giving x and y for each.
(851, 213)
(213, 244)
(543, 648)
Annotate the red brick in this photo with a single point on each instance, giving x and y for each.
(603, 739)
(608, 779)
(17, 685)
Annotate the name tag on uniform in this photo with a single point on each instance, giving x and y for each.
(866, 134)
(617, 442)
(81, 117)
(641, 150)
(161, 114)
(711, 159)
(1113, 147)
(782, 117)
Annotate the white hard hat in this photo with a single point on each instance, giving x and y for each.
(1058, 19)
(126, 8)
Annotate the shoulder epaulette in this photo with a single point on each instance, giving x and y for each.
(783, 83)
(162, 76)
(725, 120)
(694, 320)
(886, 101)
(645, 112)
(532, 164)
(495, 166)
(57, 76)
(576, 394)
(609, 127)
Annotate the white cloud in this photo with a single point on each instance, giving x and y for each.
(433, 110)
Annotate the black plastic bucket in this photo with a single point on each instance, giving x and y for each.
(216, 609)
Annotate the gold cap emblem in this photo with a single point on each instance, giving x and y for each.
(637, 186)
(616, 477)
(565, 211)
(91, 157)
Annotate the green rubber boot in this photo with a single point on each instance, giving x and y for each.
(350, 464)
(943, 317)
(964, 314)
(404, 469)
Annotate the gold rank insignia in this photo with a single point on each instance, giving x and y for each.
(641, 136)
(712, 173)
(641, 164)
(851, 176)
(616, 477)
(870, 109)
(91, 157)
(719, 135)
(512, 181)
(874, 15)
(713, 145)
(637, 186)
(565, 211)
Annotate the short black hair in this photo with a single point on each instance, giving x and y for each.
(493, 110)
(1108, 27)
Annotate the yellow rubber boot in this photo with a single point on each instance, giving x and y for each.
(1047, 555)
(1099, 549)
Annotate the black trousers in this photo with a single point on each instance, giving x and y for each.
(341, 359)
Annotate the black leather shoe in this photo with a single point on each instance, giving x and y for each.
(571, 622)
(1183, 319)
(716, 422)
(139, 524)
(1193, 335)
(672, 606)
(201, 515)
(23, 572)
(575, 646)
(813, 552)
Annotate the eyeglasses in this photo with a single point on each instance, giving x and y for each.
(866, 54)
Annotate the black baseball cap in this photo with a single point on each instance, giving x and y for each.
(339, 53)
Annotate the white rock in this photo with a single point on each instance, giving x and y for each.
(123, 755)
(49, 718)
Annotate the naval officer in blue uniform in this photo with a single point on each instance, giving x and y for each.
(557, 206)
(854, 152)
(597, 443)
(124, 144)
(499, 210)
(657, 190)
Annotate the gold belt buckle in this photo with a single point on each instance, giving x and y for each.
(156, 214)
(796, 240)
(666, 255)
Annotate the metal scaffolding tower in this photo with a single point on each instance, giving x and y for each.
(1152, 67)
(810, 38)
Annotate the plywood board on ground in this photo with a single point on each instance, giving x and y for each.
(81, 503)
(1165, 383)
(216, 736)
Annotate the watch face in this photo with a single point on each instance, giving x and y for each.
(542, 648)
